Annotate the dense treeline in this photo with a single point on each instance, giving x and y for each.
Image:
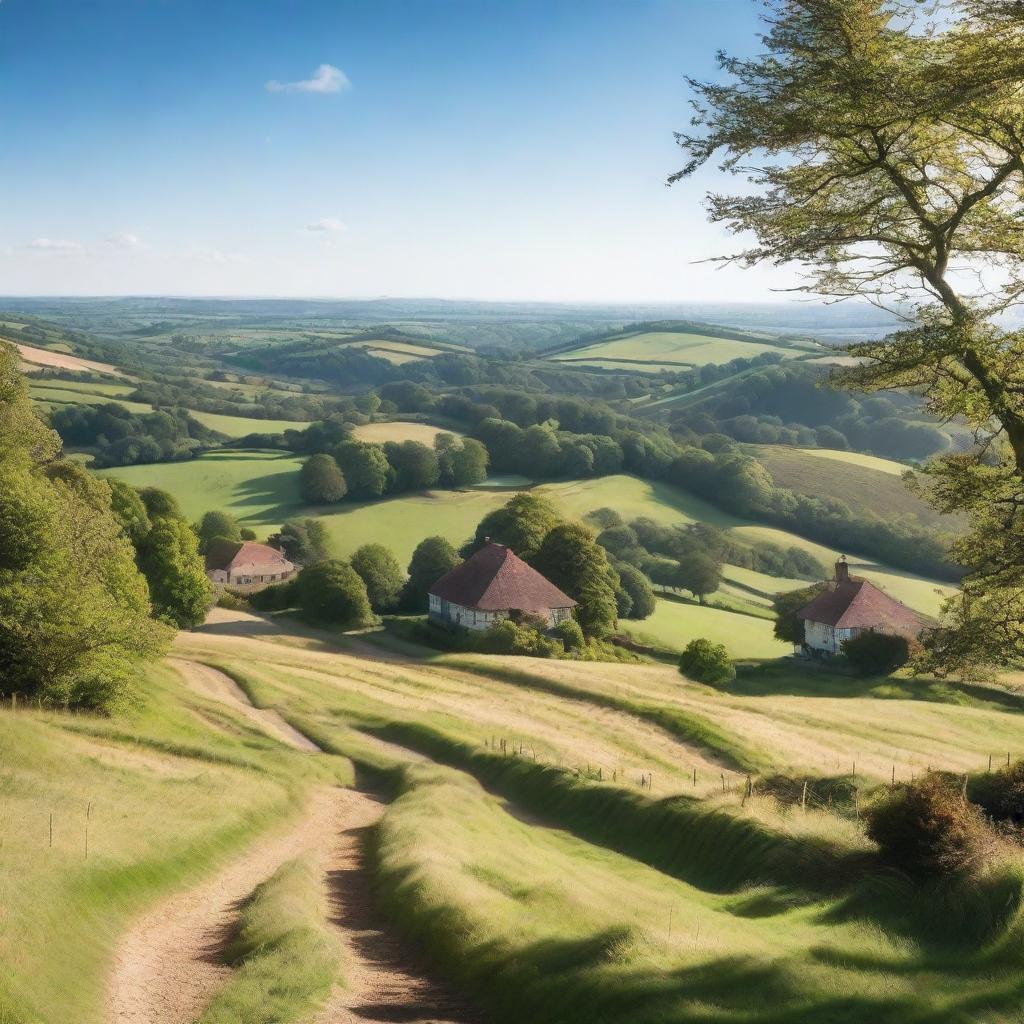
(118, 437)
(786, 404)
(75, 613)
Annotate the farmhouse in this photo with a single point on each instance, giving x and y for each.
(250, 567)
(850, 605)
(496, 584)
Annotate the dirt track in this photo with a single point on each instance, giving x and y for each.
(169, 964)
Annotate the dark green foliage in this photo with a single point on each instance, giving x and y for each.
(246, 533)
(321, 481)
(571, 558)
(332, 593)
(699, 574)
(275, 598)
(303, 541)
(415, 465)
(873, 654)
(122, 438)
(521, 524)
(461, 462)
(217, 524)
(707, 662)
(787, 626)
(604, 518)
(570, 633)
(383, 576)
(366, 469)
(219, 551)
(642, 601)
(170, 560)
(433, 558)
(927, 828)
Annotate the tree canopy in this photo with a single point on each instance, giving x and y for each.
(885, 156)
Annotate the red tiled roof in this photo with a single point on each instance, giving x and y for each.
(855, 603)
(497, 580)
(251, 557)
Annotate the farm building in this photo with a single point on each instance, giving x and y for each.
(249, 567)
(495, 584)
(850, 605)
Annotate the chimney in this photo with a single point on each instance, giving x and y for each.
(842, 570)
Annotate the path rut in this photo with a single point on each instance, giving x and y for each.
(170, 964)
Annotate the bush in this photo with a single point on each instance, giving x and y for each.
(707, 662)
(506, 637)
(233, 602)
(332, 594)
(570, 633)
(875, 654)
(274, 598)
(1001, 794)
(927, 828)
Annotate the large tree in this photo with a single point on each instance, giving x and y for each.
(74, 610)
(521, 524)
(379, 570)
(321, 481)
(433, 558)
(332, 594)
(578, 565)
(885, 156)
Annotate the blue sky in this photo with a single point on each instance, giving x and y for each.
(506, 150)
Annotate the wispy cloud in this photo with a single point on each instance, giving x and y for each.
(328, 224)
(326, 79)
(124, 240)
(55, 245)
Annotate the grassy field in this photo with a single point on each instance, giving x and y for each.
(669, 348)
(519, 852)
(379, 433)
(869, 486)
(261, 488)
(674, 624)
(166, 791)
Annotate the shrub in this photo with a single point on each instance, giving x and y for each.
(1001, 794)
(274, 598)
(927, 828)
(506, 637)
(381, 573)
(707, 662)
(233, 602)
(874, 654)
(331, 593)
(570, 633)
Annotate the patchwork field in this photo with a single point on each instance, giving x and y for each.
(869, 486)
(62, 360)
(261, 489)
(668, 349)
(379, 433)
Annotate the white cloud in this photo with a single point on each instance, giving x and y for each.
(327, 78)
(125, 240)
(329, 224)
(55, 245)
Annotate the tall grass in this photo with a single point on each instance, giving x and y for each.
(285, 956)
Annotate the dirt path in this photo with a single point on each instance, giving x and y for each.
(213, 683)
(168, 966)
(382, 983)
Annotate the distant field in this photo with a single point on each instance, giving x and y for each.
(673, 625)
(239, 426)
(46, 357)
(869, 486)
(62, 395)
(397, 352)
(261, 488)
(378, 433)
(672, 349)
